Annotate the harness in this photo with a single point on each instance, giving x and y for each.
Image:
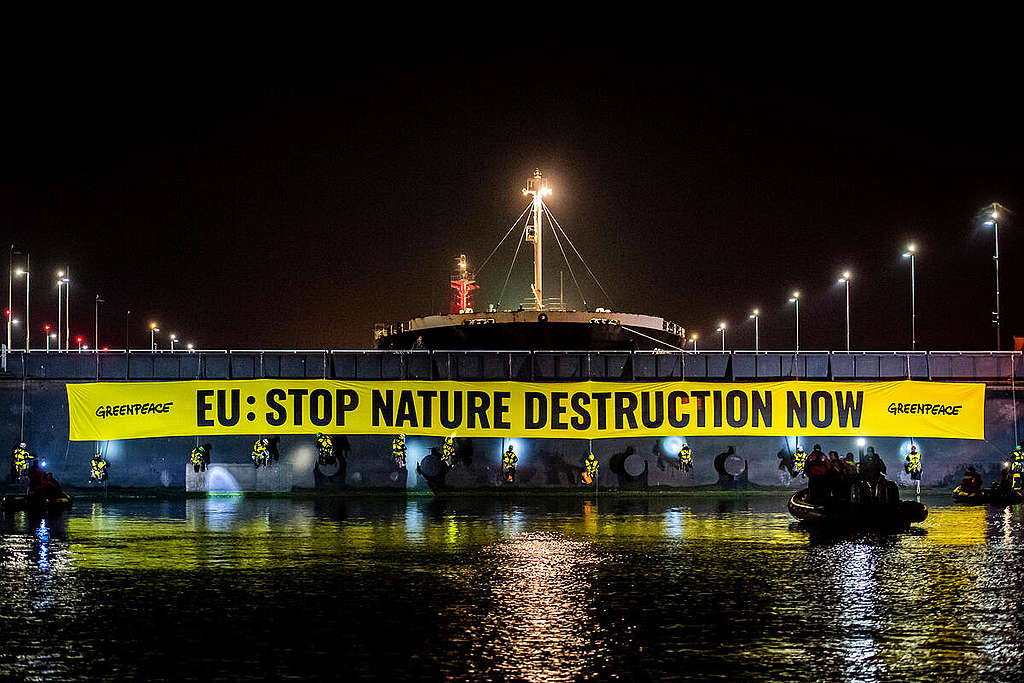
(448, 451)
(799, 459)
(99, 468)
(197, 456)
(21, 459)
(685, 456)
(509, 459)
(398, 451)
(260, 454)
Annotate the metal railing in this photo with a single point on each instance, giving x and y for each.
(141, 365)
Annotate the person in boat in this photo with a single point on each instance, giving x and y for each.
(786, 462)
(99, 469)
(200, 457)
(836, 475)
(590, 466)
(509, 460)
(817, 470)
(42, 484)
(685, 458)
(260, 453)
(912, 464)
(324, 449)
(20, 461)
(1005, 485)
(448, 450)
(872, 470)
(971, 483)
(799, 460)
(399, 451)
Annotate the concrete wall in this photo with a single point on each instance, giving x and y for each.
(41, 405)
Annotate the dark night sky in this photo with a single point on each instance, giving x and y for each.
(256, 205)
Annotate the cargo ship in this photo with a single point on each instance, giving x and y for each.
(538, 324)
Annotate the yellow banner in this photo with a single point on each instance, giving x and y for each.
(581, 410)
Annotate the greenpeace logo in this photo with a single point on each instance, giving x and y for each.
(924, 409)
(133, 409)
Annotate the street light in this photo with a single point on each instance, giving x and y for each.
(755, 316)
(795, 300)
(911, 254)
(189, 347)
(693, 338)
(153, 329)
(994, 213)
(61, 281)
(174, 338)
(28, 284)
(721, 330)
(845, 280)
(96, 321)
(79, 341)
(46, 331)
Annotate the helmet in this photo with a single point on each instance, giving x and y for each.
(510, 447)
(265, 441)
(402, 437)
(23, 445)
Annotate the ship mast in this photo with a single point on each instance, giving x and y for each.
(538, 188)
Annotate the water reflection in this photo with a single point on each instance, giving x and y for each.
(546, 589)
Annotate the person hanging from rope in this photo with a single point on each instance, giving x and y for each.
(590, 466)
(260, 453)
(324, 449)
(1017, 468)
(99, 470)
(200, 457)
(509, 460)
(685, 458)
(398, 452)
(448, 450)
(21, 459)
(912, 464)
(799, 459)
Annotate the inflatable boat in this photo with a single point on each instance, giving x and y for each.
(36, 504)
(987, 497)
(897, 514)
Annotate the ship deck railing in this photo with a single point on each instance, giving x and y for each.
(992, 367)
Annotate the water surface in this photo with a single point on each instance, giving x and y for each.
(543, 589)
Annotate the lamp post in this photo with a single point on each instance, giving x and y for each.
(721, 330)
(995, 211)
(845, 280)
(10, 293)
(153, 329)
(911, 253)
(96, 323)
(28, 286)
(46, 332)
(174, 338)
(693, 338)
(67, 312)
(189, 347)
(755, 316)
(61, 280)
(795, 300)
(79, 340)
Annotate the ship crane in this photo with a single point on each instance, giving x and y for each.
(538, 188)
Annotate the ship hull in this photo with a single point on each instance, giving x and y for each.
(535, 336)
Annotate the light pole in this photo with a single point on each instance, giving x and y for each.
(153, 329)
(46, 332)
(995, 211)
(10, 293)
(60, 309)
(755, 316)
(721, 330)
(79, 340)
(795, 300)
(28, 286)
(96, 323)
(174, 338)
(127, 316)
(911, 253)
(693, 338)
(845, 280)
(67, 312)
(189, 347)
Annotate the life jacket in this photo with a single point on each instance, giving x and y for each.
(913, 462)
(799, 458)
(686, 456)
(509, 459)
(398, 445)
(448, 450)
(591, 463)
(198, 456)
(817, 464)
